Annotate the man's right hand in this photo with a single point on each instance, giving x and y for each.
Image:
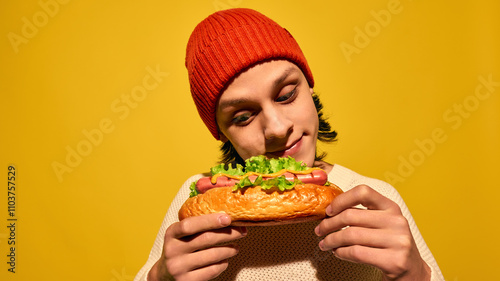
(190, 251)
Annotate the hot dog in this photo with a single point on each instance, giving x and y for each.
(318, 177)
(264, 192)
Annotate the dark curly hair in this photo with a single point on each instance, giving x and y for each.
(325, 134)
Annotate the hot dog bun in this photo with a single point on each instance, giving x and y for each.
(253, 206)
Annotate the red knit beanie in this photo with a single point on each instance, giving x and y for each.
(226, 43)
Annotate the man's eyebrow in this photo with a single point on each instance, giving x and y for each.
(283, 76)
(230, 103)
(278, 81)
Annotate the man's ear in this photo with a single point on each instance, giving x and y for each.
(311, 90)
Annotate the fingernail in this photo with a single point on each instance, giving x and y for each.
(224, 220)
(321, 245)
(329, 211)
(243, 231)
(316, 230)
(236, 247)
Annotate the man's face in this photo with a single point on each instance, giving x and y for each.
(268, 109)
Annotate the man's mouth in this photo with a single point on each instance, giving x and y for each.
(291, 150)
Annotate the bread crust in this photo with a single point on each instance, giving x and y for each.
(254, 206)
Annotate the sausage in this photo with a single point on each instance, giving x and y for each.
(204, 184)
(318, 177)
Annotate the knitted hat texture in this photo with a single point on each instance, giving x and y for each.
(226, 43)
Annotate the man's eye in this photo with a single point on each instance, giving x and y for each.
(287, 96)
(240, 119)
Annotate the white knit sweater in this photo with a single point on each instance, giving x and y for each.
(268, 253)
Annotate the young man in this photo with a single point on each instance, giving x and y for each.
(254, 90)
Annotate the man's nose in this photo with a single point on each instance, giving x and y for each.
(276, 124)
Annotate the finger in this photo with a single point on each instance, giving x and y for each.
(375, 238)
(212, 237)
(200, 259)
(359, 195)
(352, 217)
(193, 225)
(212, 255)
(205, 273)
(390, 262)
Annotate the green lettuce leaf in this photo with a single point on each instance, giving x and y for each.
(193, 191)
(259, 164)
(280, 182)
(246, 182)
(221, 168)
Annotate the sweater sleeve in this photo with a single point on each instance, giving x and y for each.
(348, 179)
(423, 249)
(170, 218)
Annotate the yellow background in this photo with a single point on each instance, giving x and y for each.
(66, 75)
